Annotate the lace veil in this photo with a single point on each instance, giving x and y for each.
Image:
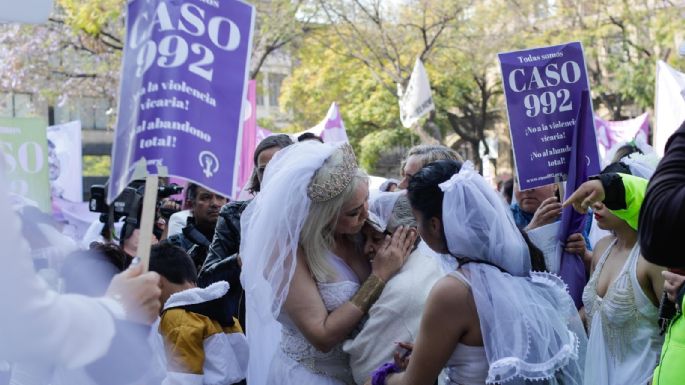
(530, 326)
(270, 232)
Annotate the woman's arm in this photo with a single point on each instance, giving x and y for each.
(621, 193)
(651, 280)
(445, 321)
(306, 308)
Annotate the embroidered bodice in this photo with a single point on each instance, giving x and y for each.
(624, 306)
(624, 338)
(334, 363)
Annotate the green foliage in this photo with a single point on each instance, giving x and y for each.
(323, 77)
(96, 165)
(376, 143)
(91, 16)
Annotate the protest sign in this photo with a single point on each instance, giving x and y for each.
(64, 160)
(417, 100)
(250, 133)
(184, 80)
(572, 267)
(23, 144)
(614, 133)
(543, 88)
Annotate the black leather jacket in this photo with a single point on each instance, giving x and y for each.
(221, 263)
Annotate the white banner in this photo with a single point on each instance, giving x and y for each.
(417, 99)
(65, 168)
(670, 104)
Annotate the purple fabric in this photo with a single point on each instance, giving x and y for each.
(379, 375)
(612, 133)
(184, 82)
(572, 269)
(543, 89)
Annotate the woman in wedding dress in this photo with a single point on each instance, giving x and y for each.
(621, 304)
(306, 282)
(492, 320)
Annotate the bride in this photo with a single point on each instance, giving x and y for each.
(491, 321)
(306, 283)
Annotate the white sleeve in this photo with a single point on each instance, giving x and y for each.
(39, 325)
(177, 221)
(375, 344)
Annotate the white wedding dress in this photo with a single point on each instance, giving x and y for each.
(624, 343)
(298, 362)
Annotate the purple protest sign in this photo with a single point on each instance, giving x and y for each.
(183, 84)
(543, 88)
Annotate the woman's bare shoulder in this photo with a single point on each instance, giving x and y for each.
(450, 292)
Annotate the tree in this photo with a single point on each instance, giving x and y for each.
(622, 42)
(280, 24)
(324, 76)
(78, 51)
(387, 39)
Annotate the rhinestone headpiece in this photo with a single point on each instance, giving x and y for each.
(339, 179)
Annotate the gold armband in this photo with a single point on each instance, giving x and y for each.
(368, 293)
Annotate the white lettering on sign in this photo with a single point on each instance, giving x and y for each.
(173, 50)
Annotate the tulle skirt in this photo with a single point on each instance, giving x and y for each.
(286, 371)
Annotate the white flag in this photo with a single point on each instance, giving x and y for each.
(670, 104)
(417, 99)
(331, 129)
(64, 161)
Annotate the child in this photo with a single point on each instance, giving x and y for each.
(203, 344)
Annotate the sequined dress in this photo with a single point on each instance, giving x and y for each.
(298, 362)
(624, 343)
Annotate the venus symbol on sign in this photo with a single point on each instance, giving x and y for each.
(209, 163)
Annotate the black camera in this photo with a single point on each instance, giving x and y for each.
(128, 204)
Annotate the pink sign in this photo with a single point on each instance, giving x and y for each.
(250, 134)
(611, 133)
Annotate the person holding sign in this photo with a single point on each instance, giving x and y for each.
(67, 330)
(307, 285)
(540, 206)
(492, 320)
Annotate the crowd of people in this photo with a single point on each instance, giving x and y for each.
(435, 278)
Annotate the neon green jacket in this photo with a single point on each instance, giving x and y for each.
(671, 369)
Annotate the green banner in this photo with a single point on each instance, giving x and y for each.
(23, 142)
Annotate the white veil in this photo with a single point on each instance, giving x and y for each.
(381, 206)
(530, 326)
(270, 232)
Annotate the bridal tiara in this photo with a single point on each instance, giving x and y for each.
(340, 177)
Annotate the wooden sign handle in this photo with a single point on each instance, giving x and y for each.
(147, 219)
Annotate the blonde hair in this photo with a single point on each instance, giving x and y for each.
(318, 230)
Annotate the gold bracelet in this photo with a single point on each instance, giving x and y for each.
(368, 293)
